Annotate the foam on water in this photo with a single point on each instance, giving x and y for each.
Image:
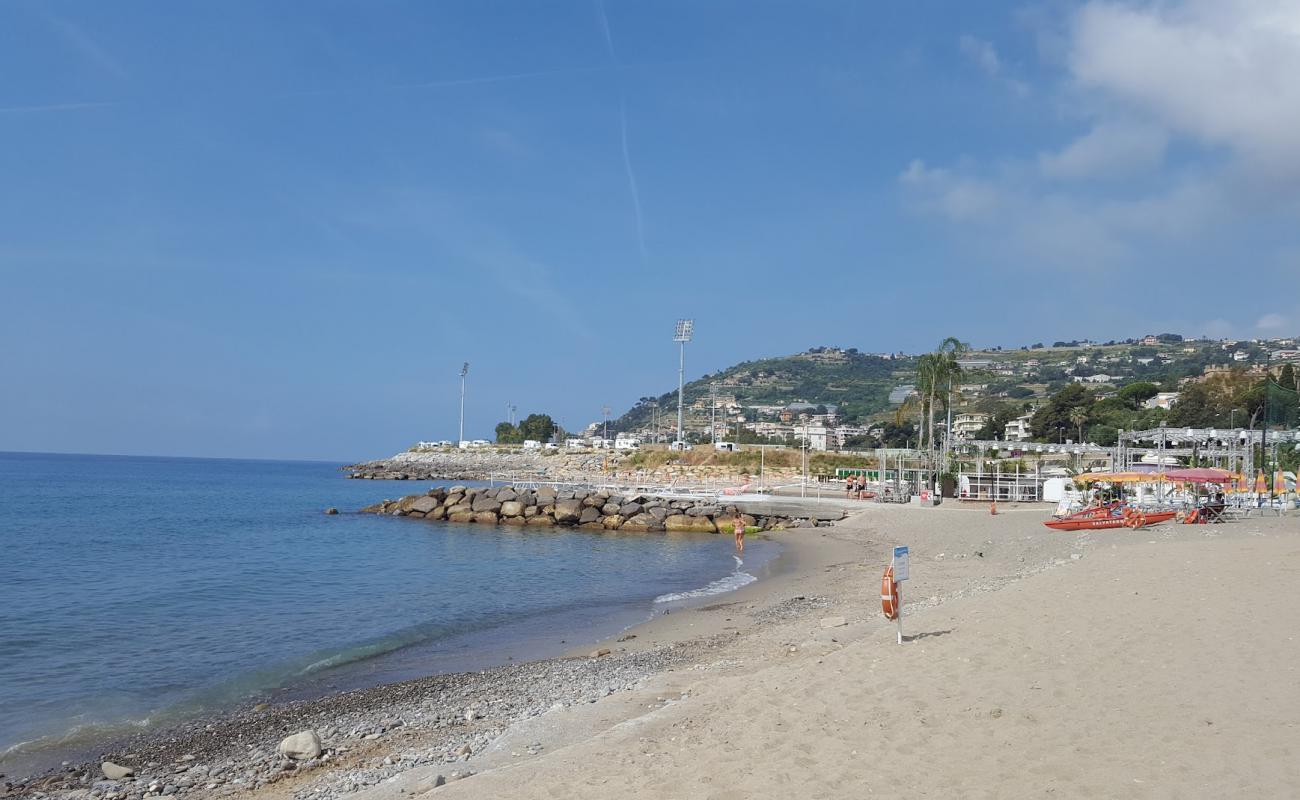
(730, 583)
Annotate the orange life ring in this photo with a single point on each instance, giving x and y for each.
(890, 600)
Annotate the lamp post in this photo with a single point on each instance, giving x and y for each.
(605, 411)
(464, 370)
(682, 334)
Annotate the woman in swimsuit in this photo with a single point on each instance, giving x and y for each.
(739, 523)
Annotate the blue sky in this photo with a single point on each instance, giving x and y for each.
(276, 230)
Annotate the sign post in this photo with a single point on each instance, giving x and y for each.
(899, 564)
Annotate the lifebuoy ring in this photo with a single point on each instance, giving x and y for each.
(890, 600)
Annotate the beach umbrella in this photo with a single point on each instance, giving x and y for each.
(1200, 475)
(1261, 483)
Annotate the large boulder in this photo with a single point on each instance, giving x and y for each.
(567, 511)
(512, 520)
(530, 511)
(301, 746)
(703, 511)
(641, 523)
(593, 500)
(658, 512)
(486, 503)
(424, 504)
(609, 508)
(683, 523)
(630, 509)
(588, 515)
(540, 520)
(438, 513)
(461, 516)
(486, 517)
(591, 526)
(456, 490)
(545, 496)
(512, 508)
(507, 494)
(612, 522)
(453, 498)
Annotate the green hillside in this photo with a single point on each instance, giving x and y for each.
(857, 383)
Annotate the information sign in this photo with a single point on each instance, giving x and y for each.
(900, 564)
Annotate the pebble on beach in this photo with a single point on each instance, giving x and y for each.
(301, 746)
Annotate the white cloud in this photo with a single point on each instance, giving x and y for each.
(1192, 112)
(981, 53)
(984, 55)
(1108, 149)
(1221, 72)
(1274, 323)
(956, 197)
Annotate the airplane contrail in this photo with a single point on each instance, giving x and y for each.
(627, 154)
(631, 183)
(53, 107)
(604, 26)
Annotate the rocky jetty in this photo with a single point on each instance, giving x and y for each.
(546, 507)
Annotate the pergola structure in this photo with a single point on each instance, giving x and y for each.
(1232, 449)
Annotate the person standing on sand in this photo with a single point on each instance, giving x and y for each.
(739, 523)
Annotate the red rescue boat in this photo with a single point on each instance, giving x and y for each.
(1104, 517)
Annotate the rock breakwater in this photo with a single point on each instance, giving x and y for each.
(586, 510)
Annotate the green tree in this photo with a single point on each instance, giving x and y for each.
(538, 427)
(1135, 394)
(1078, 416)
(1054, 415)
(508, 434)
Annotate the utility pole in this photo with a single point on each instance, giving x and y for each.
(713, 412)
(605, 411)
(464, 370)
(682, 334)
(510, 413)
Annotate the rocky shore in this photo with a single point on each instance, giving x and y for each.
(467, 465)
(599, 510)
(335, 745)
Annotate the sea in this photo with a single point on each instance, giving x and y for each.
(138, 592)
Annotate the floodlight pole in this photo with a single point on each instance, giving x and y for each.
(464, 370)
(682, 335)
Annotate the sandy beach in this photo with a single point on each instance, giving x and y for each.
(1155, 663)
(1160, 663)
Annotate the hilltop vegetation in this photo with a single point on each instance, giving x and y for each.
(857, 383)
(1078, 390)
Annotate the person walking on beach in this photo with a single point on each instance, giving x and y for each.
(739, 523)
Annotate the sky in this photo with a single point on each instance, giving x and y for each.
(277, 230)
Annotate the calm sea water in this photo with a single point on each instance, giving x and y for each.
(138, 591)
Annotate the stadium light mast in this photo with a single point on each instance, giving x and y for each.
(682, 334)
(464, 370)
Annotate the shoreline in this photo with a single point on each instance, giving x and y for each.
(216, 735)
(553, 723)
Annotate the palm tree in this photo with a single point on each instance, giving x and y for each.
(1078, 416)
(936, 372)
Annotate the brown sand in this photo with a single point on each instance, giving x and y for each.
(1156, 663)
